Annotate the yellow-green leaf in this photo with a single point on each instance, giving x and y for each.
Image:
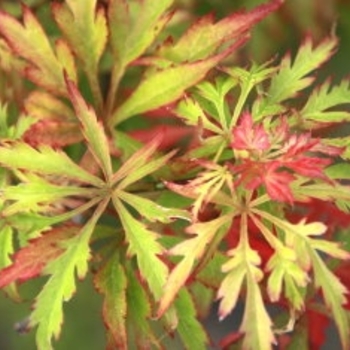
(29, 41)
(44, 160)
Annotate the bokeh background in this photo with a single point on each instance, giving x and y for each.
(280, 33)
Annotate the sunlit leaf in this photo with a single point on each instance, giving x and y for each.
(44, 160)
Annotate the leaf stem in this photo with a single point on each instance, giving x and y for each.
(246, 88)
(96, 90)
(117, 73)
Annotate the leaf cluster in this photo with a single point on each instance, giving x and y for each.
(212, 202)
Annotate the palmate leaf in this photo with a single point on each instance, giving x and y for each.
(316, 109)
(92, 130)
(29, 261)
(293, 77)
(300, 236)
(30, 42)
(44, 160)
(111, 281)
(192, 250)
(47, 313)
(144, 245)
(168, 85)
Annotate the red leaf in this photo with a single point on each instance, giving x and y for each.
(31, 260)
(247, 136)
(309, 166)
(277, 183)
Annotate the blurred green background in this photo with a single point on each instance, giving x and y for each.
(277, 34)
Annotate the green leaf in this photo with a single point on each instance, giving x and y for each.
(139, 165)
(134, 26)
(216, 94)
(29, 41)
(84, 27)
(111, 281)
(334, 295)
(339, 142)
(293, 77)
(316, 109)
(192, 250)
(28, 223)
(6, 250)
(338, 171)
(151, 210)
(44, 160)
(256, 322)
(189, 328)
(38, 196)
(143, 243)
(48, 314)
(191, 112)
(204, 37)
(166, 86)
(92, 129)
(138, 315)
(286, 271)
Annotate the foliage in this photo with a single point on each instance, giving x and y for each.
(184, 180)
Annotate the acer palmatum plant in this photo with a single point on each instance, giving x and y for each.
(175, 188)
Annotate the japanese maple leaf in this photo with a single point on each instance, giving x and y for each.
(277, 182)
(247, 136)
(309, 166)
(254, 174)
